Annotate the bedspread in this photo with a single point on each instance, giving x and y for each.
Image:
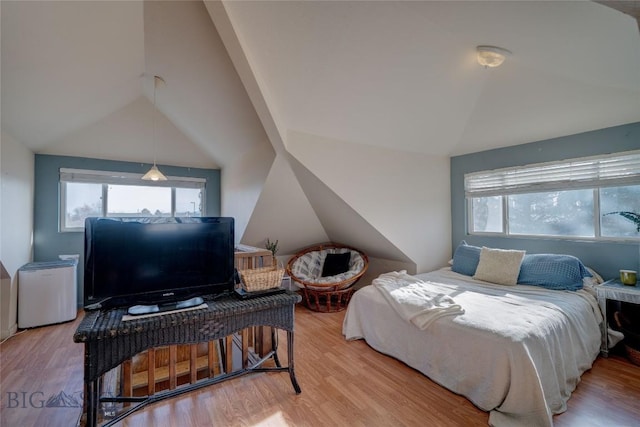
(517, 351)
(415, 301)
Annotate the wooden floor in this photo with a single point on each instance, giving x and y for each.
(343, 383)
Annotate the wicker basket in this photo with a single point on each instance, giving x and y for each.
(327, 301)
(633, 354)
(632, 338)
(260, 279)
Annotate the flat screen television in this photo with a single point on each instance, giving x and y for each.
(131, 261)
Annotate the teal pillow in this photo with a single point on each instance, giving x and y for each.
(465, 259)
(553, 271)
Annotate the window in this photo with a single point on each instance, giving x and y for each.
(619, 199)
(86, 193)
(188, 202)
(138, 200)
(554, 213)
(487, 214)
(82, 200)
(591, 198)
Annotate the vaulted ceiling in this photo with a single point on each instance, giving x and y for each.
(296, 88)
(390, 74)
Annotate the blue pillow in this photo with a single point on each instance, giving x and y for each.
(551, 271)
(465, 259)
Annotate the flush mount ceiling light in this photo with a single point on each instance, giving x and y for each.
(154, 173)
(491, 56)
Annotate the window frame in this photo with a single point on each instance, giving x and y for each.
(593, 173)
(106, 178)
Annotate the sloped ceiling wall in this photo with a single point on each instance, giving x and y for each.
(128, 135)
(322, 213)
(204, 96)
(329, 120)
(377, 198)
(403, 75)
(341, 82)
(284, 213)
(66, 65)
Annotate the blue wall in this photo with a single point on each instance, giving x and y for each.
(605, 257)
(49, 242)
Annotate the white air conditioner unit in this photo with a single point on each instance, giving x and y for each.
(47, 293)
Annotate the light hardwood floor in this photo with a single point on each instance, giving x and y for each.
(343, 384)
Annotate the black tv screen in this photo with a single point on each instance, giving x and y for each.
(130, 261)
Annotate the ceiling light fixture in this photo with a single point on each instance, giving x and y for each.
(154, 173)
(491, 56)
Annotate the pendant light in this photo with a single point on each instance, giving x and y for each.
(154, 173)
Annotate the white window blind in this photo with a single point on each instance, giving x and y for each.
(588, 172)
(123, 178)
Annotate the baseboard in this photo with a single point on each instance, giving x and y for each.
(6, 333)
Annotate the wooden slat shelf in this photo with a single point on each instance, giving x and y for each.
(140, 379)
(247, 257)
(180, 364)
(174, 365)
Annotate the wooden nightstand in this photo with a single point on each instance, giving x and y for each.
(614, 290)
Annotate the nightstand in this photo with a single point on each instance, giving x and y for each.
(614, 290)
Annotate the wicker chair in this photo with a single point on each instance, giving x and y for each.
(330, 293)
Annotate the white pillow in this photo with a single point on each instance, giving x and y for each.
(499, 266)
(589, 284)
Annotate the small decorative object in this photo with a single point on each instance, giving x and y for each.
(272, 246)
(628, 277)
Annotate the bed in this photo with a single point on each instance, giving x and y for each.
(515, 351)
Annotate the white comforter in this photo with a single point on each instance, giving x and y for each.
(517, 351)
(415, 300)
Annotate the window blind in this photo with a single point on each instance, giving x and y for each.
(124, 178)
(588, 172)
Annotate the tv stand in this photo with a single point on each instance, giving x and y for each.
(138, 310)
(108, 341)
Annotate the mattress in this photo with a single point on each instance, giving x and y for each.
(517, 351)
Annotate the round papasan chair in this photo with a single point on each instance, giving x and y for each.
(326, 273)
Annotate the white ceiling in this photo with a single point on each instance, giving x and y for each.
(384, 73)
(66, 65)
(403, 75)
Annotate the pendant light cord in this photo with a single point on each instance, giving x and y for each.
(153, 119)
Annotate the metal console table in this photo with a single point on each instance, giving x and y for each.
(109, 341)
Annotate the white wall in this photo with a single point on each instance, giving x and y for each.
(283, 213)
(128, 135)
(262, 193)
(242, 182)
(404, 196)
(16, 219)
(320, 190)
